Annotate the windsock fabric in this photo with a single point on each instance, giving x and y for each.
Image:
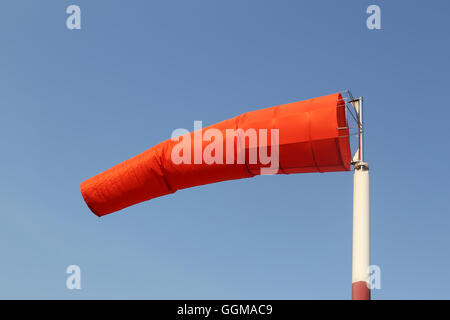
(313, 136)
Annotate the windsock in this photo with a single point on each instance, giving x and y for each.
(298, 137)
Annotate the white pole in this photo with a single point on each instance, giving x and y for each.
(361, 232)
(361, 220)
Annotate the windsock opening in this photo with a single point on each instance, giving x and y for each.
(300, 137)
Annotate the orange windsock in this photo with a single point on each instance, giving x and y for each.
(298, 137)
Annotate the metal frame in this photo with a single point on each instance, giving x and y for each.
(355, 110)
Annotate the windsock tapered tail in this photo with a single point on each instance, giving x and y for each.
(361, 232)
(313, 136)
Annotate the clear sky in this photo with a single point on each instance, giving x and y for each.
(76, 102)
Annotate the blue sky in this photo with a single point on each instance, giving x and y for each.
(76, 102)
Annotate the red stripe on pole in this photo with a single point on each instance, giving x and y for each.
(360, 291)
